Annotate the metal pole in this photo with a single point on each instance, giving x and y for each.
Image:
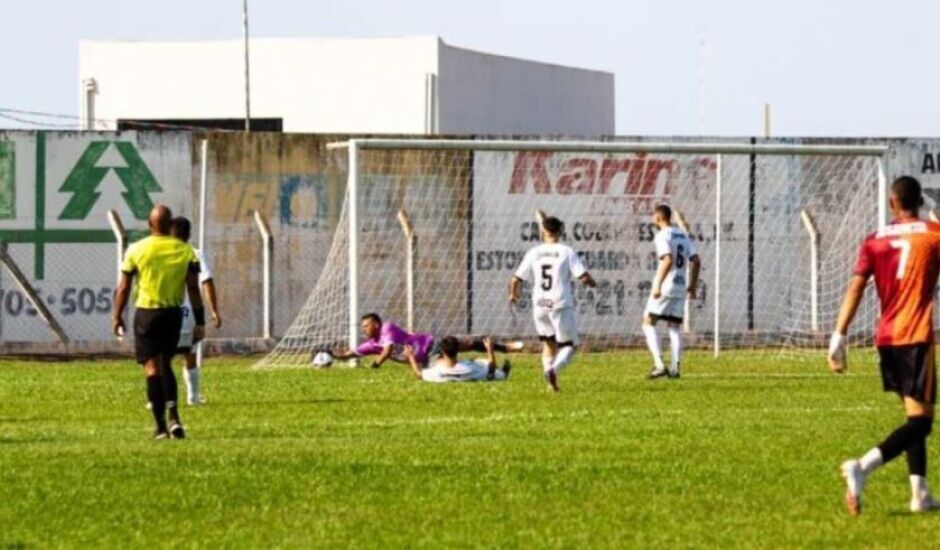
(267, 245)
(247, 73)
(813, 232)
(203, 193)
(882, 194)
(120, 237)
(352, 212)
(717, 290)
(408, 229)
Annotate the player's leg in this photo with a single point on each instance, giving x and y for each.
(546, 332)
(566, 337)
(650, 316)
(549, 351)
(171, 329)
(146, 347)
(919, 407)
(476, 344)
(192, 375)
(674, 327)
(903, 371)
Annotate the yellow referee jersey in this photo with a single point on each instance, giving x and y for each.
(160, 264)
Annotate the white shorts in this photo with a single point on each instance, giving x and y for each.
(465, 371)
(665, 308)
(186, 332)
(560, 324)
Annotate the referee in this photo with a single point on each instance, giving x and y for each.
(165, 268)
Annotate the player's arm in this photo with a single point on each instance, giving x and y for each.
(208, 289)
(665, 264)
(695, 266)
(412, 362)
(515, 284)
(853, 298)
(195, 298)
(121, 295)
(522, 273)
(383, 356)
(576, 267)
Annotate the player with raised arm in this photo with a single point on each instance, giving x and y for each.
(181, 228)
(387, 341)
(666, 303)
(904, 258)
(448, 367)
(552, 267)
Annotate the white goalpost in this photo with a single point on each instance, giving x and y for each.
(472, 202)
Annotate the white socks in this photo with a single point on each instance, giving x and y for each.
(675, 345)
(192, 384)
(562, 358)
(919, 488)
(871, 460)
(652, 341)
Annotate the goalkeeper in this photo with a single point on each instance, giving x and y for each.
(387, 341)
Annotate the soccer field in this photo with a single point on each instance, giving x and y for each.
(741, 452)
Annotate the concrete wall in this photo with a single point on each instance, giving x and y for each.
(345, 86)
(490, 95)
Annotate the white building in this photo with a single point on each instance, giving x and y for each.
(396, 86)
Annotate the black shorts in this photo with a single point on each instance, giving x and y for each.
(910, 371)
(157, 332)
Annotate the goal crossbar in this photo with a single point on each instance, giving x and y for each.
(614, 147)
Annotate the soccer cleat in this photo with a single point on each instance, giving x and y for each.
(656, 373)
(176, 431)
(673, 374)
(196, 401)
(854, 484)
(925, 503)
(515, 345)
(160, 434)
(506, 368)
(552, 378)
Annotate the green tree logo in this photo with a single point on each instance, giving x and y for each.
(86, 176)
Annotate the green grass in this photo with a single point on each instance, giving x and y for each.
(741, 452)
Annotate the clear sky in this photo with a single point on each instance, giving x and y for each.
(827, 67)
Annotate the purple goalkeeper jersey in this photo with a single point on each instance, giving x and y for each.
(397, 337)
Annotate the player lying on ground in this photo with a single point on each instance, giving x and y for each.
(904, 258)
(551, 266)
(387, 341)
(182, 230)
(447, 367)
(667, 300)
(165, 269)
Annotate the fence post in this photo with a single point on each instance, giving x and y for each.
(267, 253)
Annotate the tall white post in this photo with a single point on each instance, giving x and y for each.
(410, 241)
(813, 233)
(352, 213)
(267, 246)
(247, 65)
(203, 193)
(687, 309)
(120, 237)
(882, 194)
(716, 292)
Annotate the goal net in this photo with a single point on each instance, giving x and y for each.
(777, 228)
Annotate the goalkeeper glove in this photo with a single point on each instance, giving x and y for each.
(837, 352)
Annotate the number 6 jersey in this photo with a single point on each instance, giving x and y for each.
(674, 242)
(551, 268)
(904, 258)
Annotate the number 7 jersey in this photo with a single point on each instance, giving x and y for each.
(904, 258)
(551, 268)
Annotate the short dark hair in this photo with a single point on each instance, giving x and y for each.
(907, 191)
(553, 225)
(181, 228)
(449, 347)
(664, 211)
(373, 317)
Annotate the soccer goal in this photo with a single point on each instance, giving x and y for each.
(431, 231)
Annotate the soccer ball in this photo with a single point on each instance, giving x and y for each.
(322, 359)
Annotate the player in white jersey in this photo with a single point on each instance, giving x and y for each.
(552, 267)
(448, 367)
(182, 230)
(676, 253)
